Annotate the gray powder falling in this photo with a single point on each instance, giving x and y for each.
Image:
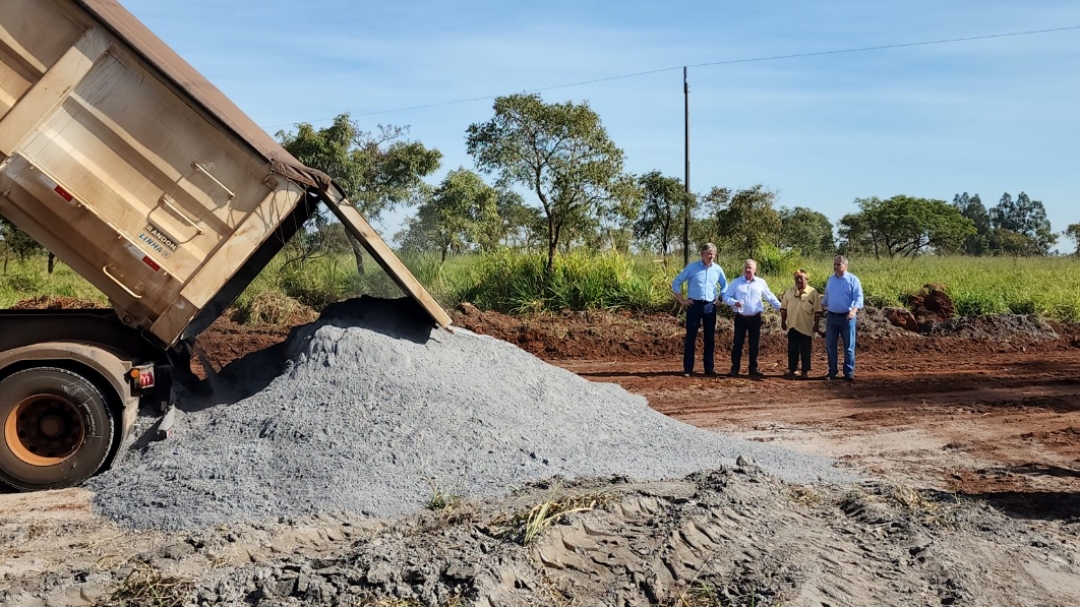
(370, 411)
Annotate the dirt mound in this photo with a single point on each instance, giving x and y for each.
(568, 335)
(1024, 328)
(903, 318)
(931, 304)
(225, 341)
(57, 302)
(273, 308)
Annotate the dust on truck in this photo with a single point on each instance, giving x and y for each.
(130, 167)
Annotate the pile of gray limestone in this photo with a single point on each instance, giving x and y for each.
(371, 411)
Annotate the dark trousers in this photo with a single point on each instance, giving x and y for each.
(798, 346)
(746, 325)
(696, 315)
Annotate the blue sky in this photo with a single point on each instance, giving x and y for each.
(984, 116)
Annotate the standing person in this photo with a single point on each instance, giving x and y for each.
(800, 316)
(701, 279)
(842, 301)
(744, 295)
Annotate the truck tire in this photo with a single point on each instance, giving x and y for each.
(56, 429)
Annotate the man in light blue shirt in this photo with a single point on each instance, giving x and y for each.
(842, 301)
(745, 295)
(701, 279)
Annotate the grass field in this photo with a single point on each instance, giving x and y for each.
(514, 282)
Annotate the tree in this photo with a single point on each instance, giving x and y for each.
(806, 231)
(748, 220)
(559, 151)
(16, 242)
(703, 213)
(461, 213)
(906, 226)
(857, 233)
(617, 219)
(1008, 242)
(664, 204)
(1073, 233)
(1027, 218)
(377, 170)
(520, 224)
(972, 208)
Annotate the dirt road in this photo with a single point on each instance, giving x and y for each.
(1002, 427)
(988, 407)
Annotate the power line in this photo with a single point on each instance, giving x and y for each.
(725, 62)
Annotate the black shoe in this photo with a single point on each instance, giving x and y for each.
(733, 374)
(756, 373)
(710, 373)
(789, 375)
(849, 378)
(831, 377)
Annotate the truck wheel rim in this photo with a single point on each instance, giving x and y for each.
(44, 430)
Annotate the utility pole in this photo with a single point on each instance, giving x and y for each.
(686, 181)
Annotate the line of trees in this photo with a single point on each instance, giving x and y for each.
(577, 194)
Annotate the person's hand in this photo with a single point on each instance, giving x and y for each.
(737, 305)
(783, 325)
(851, 314)
(817, 328)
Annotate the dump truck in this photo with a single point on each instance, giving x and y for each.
(131, 168)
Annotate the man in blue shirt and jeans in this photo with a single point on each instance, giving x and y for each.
(842, 301)
(701, 279)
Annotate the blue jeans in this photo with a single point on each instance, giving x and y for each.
(839, 326)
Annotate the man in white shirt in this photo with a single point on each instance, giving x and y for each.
(745, 295)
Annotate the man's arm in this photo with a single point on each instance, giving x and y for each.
(723, 285)
(819, 312)
(856, 298)
(676, 286)
(729, 293)
(769, 297)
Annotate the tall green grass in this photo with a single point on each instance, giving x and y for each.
(514, 282)
(1047, 286)
(30, 278)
